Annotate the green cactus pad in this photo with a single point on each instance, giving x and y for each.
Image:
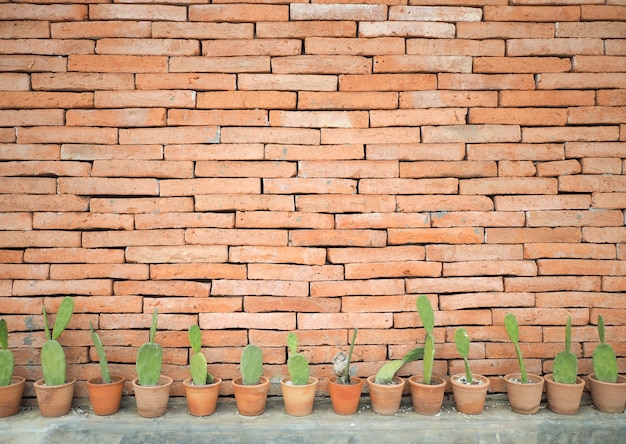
(251, 365)
(149, 361)
(605, 363)
(388, 370)
(104, 365)
(566, 362)
(7, 363)
(425, 311)
(53, 363)
(4, 334)
(63, 317)
(298, 367)
(429, 356)
(462, 341)
(512, 329)
(198, 370)
(195, 338)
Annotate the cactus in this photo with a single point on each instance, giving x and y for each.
(104, 365)
(427, 316)
(462, 341)
(512, 329)
(52, 355)
(604, 360)
(297, 364)
(251, 365)
(150, 358)
(387, 372)
(7, 362)
(566, 362)
(341, 363)
(197, 363)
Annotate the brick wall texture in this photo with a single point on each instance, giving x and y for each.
(265, 167)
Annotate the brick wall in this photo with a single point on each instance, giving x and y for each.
(260, 168)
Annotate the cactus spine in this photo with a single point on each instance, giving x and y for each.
(427, 316)
(341, 363)
(297, 364)
(7, 362)
(566, 362)
(150, 358)
(52, 355)
(197, 363)
(386, 373)
(512, 329)
(604, 360)
(462, 341)
(104, 364)
(251, 365)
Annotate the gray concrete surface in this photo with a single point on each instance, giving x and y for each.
(497, 424)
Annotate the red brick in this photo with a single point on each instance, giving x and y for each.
(274, 219)
(357, 287)
(293, 255)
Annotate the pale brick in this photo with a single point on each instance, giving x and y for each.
(471, 133)
(558, 168)
(252, 151)
(416, 151)
(349, 100)
(219, 201)
(321, 64)
(256, 47)
(369, 29)
(91, 152)
(118, 186)
(33, 202)
(435, 13)
(99, 29)
(14, 82)
(117, 63)
(228, 287)
(144, 99)
(318, 119)
(137, 12)
(486, 82)
(454, 285)
(314, 152)
(414, 117)
(44, 117)
(197, 82)
(287, 82)
(384, 254)
(26, 100)
(293, 255)
(370, 135)
(98, 271)
(217, 117)
(464, 253)
(364, 238)
(570, 134)
(408, 186)
(478, 218)
(286, 272)
(129, 117)
(419, 63)
(175, 135)
(531, 13)
(490, 268)
(299, 11)
(304, 136)
(196, 271)
(444, 203)
(217, 236)
(460, 235)
(153, 218)
(545, 202)
(67, 134)
(74, 255)
(82, 221)
(507, 185)
(229, 168)
(12, 11)
(236, 13)
(78, 81)
(546, 98)
(517, 151)
(392, 269)
(220, 64)
(33, 63)
(98, 239)
(274, 219)
(247, 99)
(309, 186)
(148, 47)
(382, 220)
(354, 46)
(465, 47)
(438, 99)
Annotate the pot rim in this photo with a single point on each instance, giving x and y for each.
(168, 381)
(115, 379)
(188, 383)
(264, 380)
(311, 381)
(354, 380)
(41, 383)
(550, 379)
(419, 379)
(486, 382)
(540, 379)
(397, 379)
(621, 379)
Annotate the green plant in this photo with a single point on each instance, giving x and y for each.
(604, 360)
(104, 364)
(512, 329)
(427, 316)
(7, 362)
(341, 363)
(566, 362)
(297, 363)
(197, 363)
(388, 370)
(251, 365)
(462, 341)
(52, 355)
(150, 358)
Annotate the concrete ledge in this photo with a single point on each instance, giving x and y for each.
(497, 424)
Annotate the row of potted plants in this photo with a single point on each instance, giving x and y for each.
(152, 389)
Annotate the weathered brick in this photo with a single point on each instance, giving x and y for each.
(545, 202)
(309, 186)
(466, 47)
(246, 99)
(558, 168)
(384, 254)
(100, 29)
(601, 166)
(196, 271)
(219, 236)
(519, 116)
(31, 99)
(302, 29)
(33, 202)
(98, 271)
(46, 46)
(224, 199)
(97, 239)
(507, 185)
(149, 47)
(392, 269)
(294, 255)
(163, 288)
(323, 321)
(382, 220)
(454, 235)
(478, 218)
(526, 235)
(300, 11)
(236, 13)
(370, 135)
(304, 136)
(252, 151)
(91, 152)
(30, 185)
(504, 30)
(129, 117)
(444, 203)
(357, 287)
(318, 119)
(177, 254)
(137, 12)
(11, 11)
(354, 46)
(176, 135)
(471, 133)
(580, 81)
(269, 304)
(546, 98)
(369, 29)
(413, 117)
(485, 82)
(321, 64)
(89, 287)
(420, 63)
(531, 13)
(116, 63)
(348, 100)
(227, 168)
(14, 82)
(438, 99)
(284, 272)
(275, 219)
(408, 186)
(573, 133)
(364, 238)
(81, 221)
(256, 47)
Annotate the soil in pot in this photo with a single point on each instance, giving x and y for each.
(427, 399)
(152, 400)
(54, 400)
(105, 398)
(608, 397)
(564, 398)
(469, 398)
(524, 398)
(345, 397)
(11, 396)
(202, 399)
(298, 399)
(386, 398)
(251, 399)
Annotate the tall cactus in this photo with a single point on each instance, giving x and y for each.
(604, 360)
(150, 358)
(52, 355)
(251, 365)
(386, 373)
(104, 364)
(7, 362)
(462, 341)
(512, 329)
(566, 362)
(297, 364)
(425, 310)
(197, 363)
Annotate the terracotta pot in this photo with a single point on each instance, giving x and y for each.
(298, 399)
(469, 399)
(564, 398)
(345, 397)
(11, 396)
(608, 397)
(152, 400)
(427, 399)
(54, 400)
(386, 398)
(251, 399)
(105, 398)
(202, 399)
(524, 398)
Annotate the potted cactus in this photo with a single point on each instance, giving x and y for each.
(11, 387)
(54, 393)
(201, 389)
(427, 391)
(152, 390)
(105, 391)
(564, 387)
(469, 390)
(345, 388)
(299, 388)
(386, 388)
(251, 388)
(523, 389)
(608, 388)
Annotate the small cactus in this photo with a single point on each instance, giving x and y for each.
(462, 341)
(297, 364)
(150, 358)
(387, 372)
(104, 364)
(52, 355)
(512, 329)
(197, 363)
(341, 363)
(604, 360)
(7, 362)
(566, 362)
(425, 310)
(251, 365)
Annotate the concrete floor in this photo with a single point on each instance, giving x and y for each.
(497, 424)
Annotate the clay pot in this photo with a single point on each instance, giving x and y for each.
(469, 399)
(427, 399)
(202, 399)
(152, 400)
(251, 399)
(345, 397)
(105, 398)
(524, 398)
(608, 397)
(298, 399)
(54, 400)
(564, 398)
(11, 396)
(386, 398)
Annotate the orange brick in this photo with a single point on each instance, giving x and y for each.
(448, 169)
(192, 305)
(419, 63)
(613, 283)
(574, 133)
(558, 168)
(392, 269)
(28, 185)
(321, 64)
(609, 200)
(302, 29)
(247, 99)
(581, 267)
(33, 202)
(502, 185)
(309, 186)
(67, 134)
(415, 117)
(455, 285)
(274, 219)
(382, 220)
(132, 117)
(480, 300)
(219, 64)
(556, 202)
(305, 136)
(354, 46)
(29, 152)
(604, 235)
(357, 287)
(244, 202)
(81, 221)
(256, 47)
(364, 238)
(91, 152)
(140, 205)
(25, 100)
(520, 116)
(262, 321)
(73, 255)
(601, 166)
(602, 12)
(542, 316)
(116, 63)
(456, 253)
(244, 169)
(218, 236)
(319, 119)
(138, 12)
(408, 186)
(20, 29)
(504, 29)
(315, 152)
(438, 99)
(552, 283)
(51, 117)
(236, 13)
(486, 82)
(546, 98)
(490, 268)
(163, 288)
(286, 82)
(323, 321)
(177, 254)
(196, 271)
(145, 98)
(35, 63)
(531, 13)
(593, 29)
(176, 135)
(370, 135)
(46, 46)
(197, 82)
(214, 152)
(516, 168)
(467, 47)
(24, 271)
(100, 29)
(294, 255)
(377, 304)
(471, 133)
(78, 81)
(578, 299)
(579, 81)
(96, 239)
(149, 46)
(444, 203)
(16, 222)
(555, 47)
(387, 82)
(98, 271)
(416, 151)
(570, 218)
(478, 218)
(120, 186)
(295, 272)
(43, 12)
(310, 100)
(195, 30)
(461, 235)
(90, 287)
(596, 114)
(15, 82)
(458, 317)
(592, 182)
(384, 254)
